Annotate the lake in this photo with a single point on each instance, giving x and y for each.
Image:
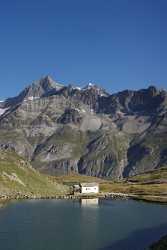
(86, 225)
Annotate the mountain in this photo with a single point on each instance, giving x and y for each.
(34, 91)
(62, 129)
(19, 179)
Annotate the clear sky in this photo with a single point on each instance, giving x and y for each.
(118, 44)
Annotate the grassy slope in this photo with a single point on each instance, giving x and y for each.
(141, 187)
(151, 175)
(75, 179)
(150, 192)
(27, 181)
(38, 184)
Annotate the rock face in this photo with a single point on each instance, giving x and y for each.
(70, 116)
(63, 129)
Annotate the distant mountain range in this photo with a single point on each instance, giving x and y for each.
(63, 129)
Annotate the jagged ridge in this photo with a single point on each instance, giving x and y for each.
(63, 129)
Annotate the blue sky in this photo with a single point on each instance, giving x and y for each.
(119, 44)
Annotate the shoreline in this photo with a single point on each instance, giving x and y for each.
(113, 195)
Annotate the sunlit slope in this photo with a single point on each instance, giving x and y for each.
(18, 178)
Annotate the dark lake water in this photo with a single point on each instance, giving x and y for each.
(63, 225)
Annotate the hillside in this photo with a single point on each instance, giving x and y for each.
(151, 186)
(65, 130)
(19, 179)
(151, 177)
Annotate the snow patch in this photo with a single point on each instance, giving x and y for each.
(77, 110)
(90, 84)
(80, 110)
(78, 88)
(58, 86)
(2, 111)
(31, 98)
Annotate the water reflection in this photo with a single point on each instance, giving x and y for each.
(90, 202)
(3, 204)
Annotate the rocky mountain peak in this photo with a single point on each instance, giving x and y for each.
(46, 83)
(86, 129)
(90, 85)
(43, 86)
(37, 89)
(95, 89)
(153, 91)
